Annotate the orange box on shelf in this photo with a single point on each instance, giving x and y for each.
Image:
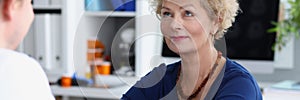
(96, 62)
(99, 69)
(104, 68)
(66, 81)
(93, 54)
(94, 43)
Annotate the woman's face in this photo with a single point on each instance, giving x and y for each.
(186, 26)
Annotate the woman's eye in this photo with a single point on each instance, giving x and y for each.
(188, 13)
(166, 14)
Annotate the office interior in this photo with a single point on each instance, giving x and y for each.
(67, 37)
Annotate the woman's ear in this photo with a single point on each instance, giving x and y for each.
(217, 24)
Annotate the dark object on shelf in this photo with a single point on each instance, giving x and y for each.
(44, 11)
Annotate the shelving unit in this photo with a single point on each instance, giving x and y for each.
(110, 14)
(77, 25)
(53, 47)
(42, 7)
(39, 40)
(144, 23)
(106, 27)
(112, 93)
(107, 24)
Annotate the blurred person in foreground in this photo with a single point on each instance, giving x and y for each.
(22, 78)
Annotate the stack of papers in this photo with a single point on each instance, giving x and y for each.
(285, 90)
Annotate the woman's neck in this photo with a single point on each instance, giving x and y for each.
(195, 67)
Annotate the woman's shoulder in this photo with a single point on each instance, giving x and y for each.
(233, 67)
(159, 73)
(234, 70)
(238, 83)
(156, 84)
(173, 68)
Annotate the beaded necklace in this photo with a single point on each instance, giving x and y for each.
(193, 95)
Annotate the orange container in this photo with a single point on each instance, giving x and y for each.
(99, 69)
(104, 68)
(94, 56)
(94, 43)
(66, 81)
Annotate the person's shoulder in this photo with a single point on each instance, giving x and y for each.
(173, 67)
(8, 52)
(21, 73)
(232, 68)
(235, 71)
(13, 62)
(159, 79)
(157, 74)
(20, 63)
(11, 57)
(238, 83)
(164, 69)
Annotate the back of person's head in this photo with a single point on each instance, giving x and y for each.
(16, 17)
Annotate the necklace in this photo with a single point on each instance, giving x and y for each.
(194, 94)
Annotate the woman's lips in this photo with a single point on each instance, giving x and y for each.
(178, 38)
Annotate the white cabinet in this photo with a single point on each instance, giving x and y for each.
(62, 50)
(108, 27)
(51, 35)
(66, 45)
(148, 36)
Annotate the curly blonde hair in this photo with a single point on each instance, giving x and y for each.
(226, 10)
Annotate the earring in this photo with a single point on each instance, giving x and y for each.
(215, 35)
(212, 36)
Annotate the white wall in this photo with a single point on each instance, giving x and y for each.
(284, 74)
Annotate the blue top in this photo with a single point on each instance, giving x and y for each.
(235, 84)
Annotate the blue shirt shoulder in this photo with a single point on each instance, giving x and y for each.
(154, 85)
(236, 84)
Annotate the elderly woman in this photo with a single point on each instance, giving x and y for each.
(190, 28)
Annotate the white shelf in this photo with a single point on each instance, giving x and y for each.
(89, 92)
(110, 14)
(114, 93)
(44, 7)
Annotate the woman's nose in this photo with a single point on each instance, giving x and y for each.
(176, 24)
